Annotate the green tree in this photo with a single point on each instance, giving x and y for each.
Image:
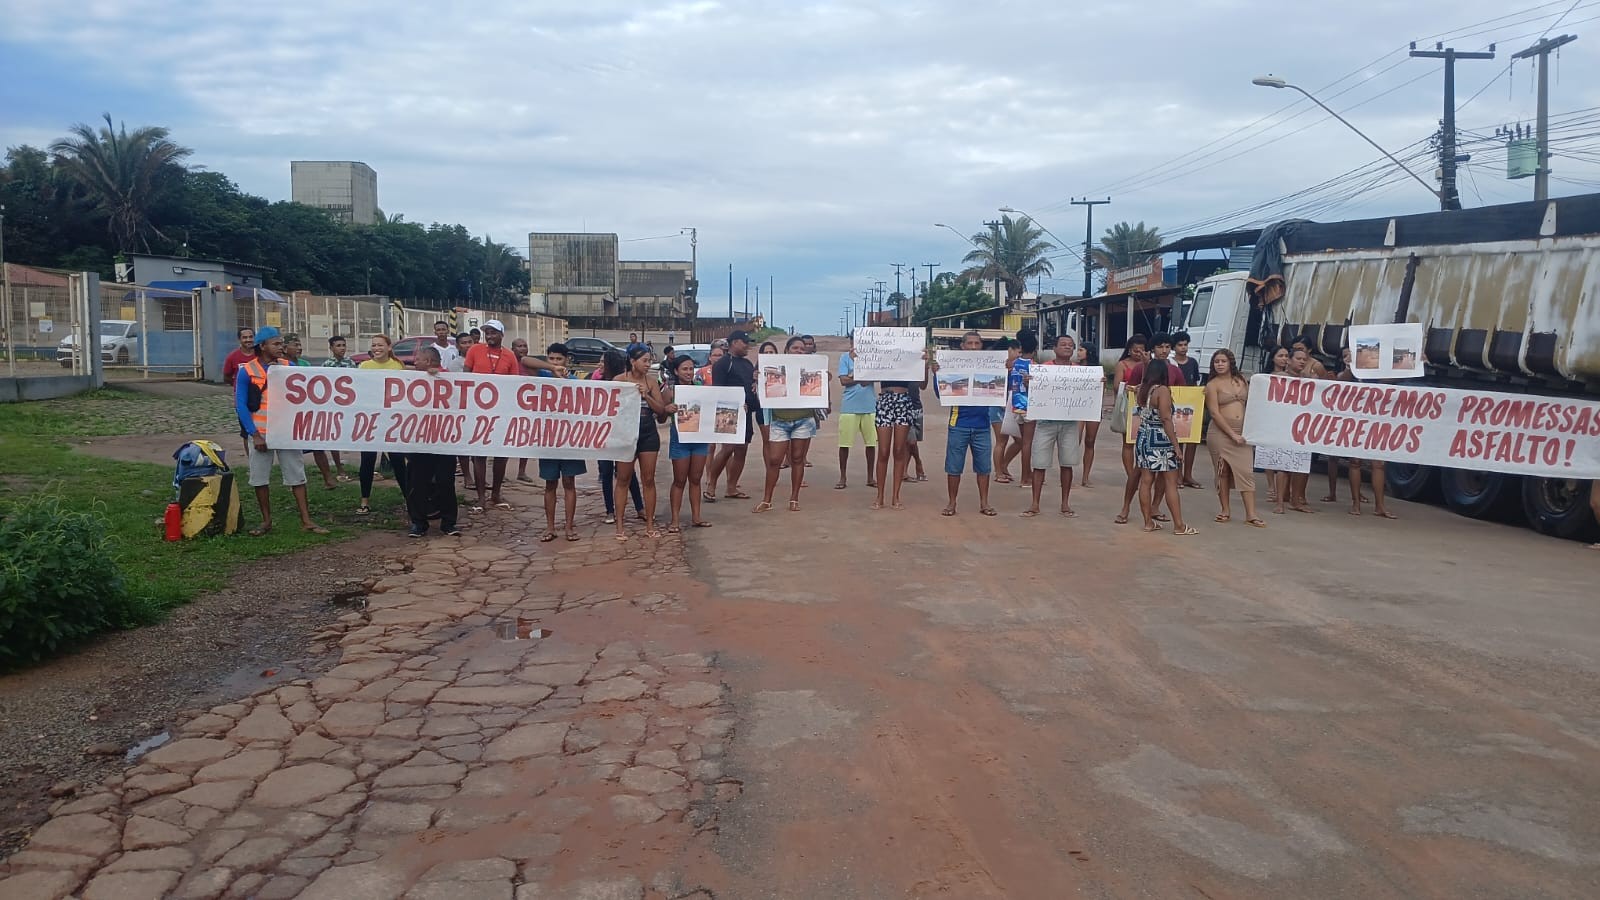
(1126, 245)
(1011, 254)
(948, 295)
(122, 175)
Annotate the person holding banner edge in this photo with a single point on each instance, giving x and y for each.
(382, 358)
(250, 404)
(430, 484)
(969, 430)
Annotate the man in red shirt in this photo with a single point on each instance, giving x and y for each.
(490, 358)
(245, 352)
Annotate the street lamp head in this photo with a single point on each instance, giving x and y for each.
(940, 225)
(1271, 81)
(1007, 209)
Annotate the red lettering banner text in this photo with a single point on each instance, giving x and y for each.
(1514, 433)
(452, 413)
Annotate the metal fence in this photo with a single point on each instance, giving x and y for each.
(141, 332)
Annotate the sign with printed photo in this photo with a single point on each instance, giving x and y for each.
(1386, 351)
(709, 415)
(971, 377)
(1188, 415)
(1065, 393)
(792, 380)
(890, 354)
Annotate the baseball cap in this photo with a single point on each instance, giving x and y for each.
(496, 324)
(739, 336)
(266, 334)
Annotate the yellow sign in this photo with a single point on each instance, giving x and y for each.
(1188, 415)
(275, 319)
(129, 313)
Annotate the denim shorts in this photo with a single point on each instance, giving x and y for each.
(980, 441)
(680, 450)
(557, 469)
(792, 430)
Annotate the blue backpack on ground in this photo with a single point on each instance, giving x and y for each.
(198, 458)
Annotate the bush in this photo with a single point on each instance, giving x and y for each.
(59, 581)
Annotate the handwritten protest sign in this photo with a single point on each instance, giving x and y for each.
(1277, 459)
(1483, 430)
(1065, 393)
(1386, 351)
(972, 377)
(454, 414)
(890, 354)
(710, 415)
(792, 381)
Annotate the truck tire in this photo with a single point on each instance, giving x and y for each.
(1480, 495)
(1406, 481)
(1558, 507)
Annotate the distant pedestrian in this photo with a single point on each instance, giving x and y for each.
(240, 355)
(251, 399)
(893, 420)
(612, 364)
(339, 358)
(1016, 423)
(735, 370)
(652, 408)
(449, 356)
(1156, 451)
(1056, 440)
(789, 440)
(1089, 356)
(1190, 367)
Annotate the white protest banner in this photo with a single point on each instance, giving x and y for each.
(1492, 432)
(890, 354)
(971, 377)
(710, 415)
(792, 381)
(1386, 351)
(455, 414)
(1065, 393)
(1277, 459)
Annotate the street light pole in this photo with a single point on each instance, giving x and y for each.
(1272, 81)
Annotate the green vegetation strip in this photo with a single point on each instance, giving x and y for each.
(36, 457)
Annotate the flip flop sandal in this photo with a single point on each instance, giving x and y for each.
(1161, 518)
(947, 511)
(363, 510)
(989, 511)
(1256, 523)
(673, 529)
(840, 486)
(1187, 530)
(739, 496)
(547, 537)
(708, 497)
(702, 524)
(1120, 520)
(1069, 514)
(260, 532)
(314, 529)
(762, 507)
(502, 505)
(794, 506)
(1222, 517)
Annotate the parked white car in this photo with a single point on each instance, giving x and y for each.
(119, 343)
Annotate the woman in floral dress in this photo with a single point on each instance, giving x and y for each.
(1155, 449)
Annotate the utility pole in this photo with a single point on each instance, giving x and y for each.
(897, 268)
(928, 285)
(1542, 50)
(758, 299)
(1449, 197)
(994, 257)
(880, 288)
(1088, 239)
(866, 307)
(772, 301)
(747, 297)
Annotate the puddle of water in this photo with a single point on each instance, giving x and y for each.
(356, 599)
(146, 745)
(520, 630)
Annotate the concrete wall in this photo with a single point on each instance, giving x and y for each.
(349, 190)
(43, 387)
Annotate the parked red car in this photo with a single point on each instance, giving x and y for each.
(405, 349)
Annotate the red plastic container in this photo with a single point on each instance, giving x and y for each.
(174, 522)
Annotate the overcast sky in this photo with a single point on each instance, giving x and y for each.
(812, 143)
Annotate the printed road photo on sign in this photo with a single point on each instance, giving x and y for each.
(709, 415)
(1381, 352)
(793, 381)
(971, 377)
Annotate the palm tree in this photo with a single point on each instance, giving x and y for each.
(1126, 245)
(123, 174)
(1021, 254)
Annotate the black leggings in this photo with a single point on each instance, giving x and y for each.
(369, 465)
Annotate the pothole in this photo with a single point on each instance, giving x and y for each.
(146, 745)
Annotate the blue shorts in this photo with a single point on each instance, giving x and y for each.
(996, 414)
(783, 430)
(557, 469)
(680, 450)
(979, 440)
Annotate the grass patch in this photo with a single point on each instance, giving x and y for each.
(133, 496)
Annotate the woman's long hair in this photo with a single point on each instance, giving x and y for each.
(1155, 375)
(1233, 364)
(613, 363)
(1127, 347)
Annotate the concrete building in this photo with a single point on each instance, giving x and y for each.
(224, 296)
(655, 289)
(572, 274)
(348, 190)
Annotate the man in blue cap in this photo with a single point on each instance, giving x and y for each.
(250, 402)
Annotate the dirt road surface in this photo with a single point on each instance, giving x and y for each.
(846, 703)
